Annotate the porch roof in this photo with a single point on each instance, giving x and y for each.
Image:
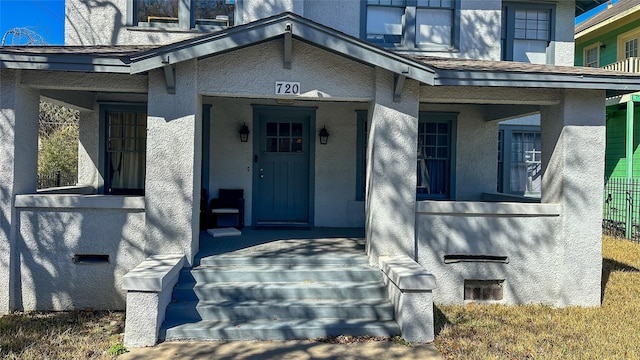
(430, 71)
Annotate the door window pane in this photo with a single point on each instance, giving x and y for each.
(284, 137)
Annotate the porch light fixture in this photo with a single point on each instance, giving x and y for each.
(244, 133)
(324, 135)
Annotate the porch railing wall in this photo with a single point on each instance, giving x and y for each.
(621, 210)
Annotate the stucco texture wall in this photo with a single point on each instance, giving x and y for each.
(49, 239)
(530, 243)
(252, 72)
(104, 23)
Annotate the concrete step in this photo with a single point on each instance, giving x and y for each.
(276, 329)
(376, 309)
(261, 291)
(317, 260)
(279, 273)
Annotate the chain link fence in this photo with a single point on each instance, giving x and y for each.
(621, 211)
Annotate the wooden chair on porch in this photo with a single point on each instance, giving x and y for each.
(228, 209)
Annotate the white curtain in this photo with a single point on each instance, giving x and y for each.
(127, 144)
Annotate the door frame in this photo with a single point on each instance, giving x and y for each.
(266, 110)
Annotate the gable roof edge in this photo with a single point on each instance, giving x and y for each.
(272, 28)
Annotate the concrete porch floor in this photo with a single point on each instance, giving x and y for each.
(284, 242)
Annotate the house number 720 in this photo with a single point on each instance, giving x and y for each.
(287, 88)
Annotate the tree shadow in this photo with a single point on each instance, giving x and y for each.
(609, 266)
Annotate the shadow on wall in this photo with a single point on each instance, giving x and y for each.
(392, 194)
(482, 26)
(51, 278)
(538, 251)
(102, 22)
(83, 24)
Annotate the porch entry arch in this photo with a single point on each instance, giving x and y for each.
(283, 166)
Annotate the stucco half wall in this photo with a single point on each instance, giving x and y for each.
(69, 259)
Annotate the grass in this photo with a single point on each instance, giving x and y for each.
(464, 332)
(61, 335)
(541, 332)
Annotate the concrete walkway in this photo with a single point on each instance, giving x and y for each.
(289, 350)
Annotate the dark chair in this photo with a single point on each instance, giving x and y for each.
(228, 209)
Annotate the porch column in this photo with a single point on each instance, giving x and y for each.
(18, 169)
(391, 169)
(573, 145)
(174, 150)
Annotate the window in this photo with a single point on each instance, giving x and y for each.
(125, 135)
(628, 44)
(591, 56)
(436, 134)
(284, 137)
(183, 14)
(631, 48)
(519, 160)
(409, 24)
(527, 30)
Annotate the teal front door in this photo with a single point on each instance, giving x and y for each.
(281, 168)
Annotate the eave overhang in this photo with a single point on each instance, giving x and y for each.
(109, 59)
(462, 72)
(429, 71)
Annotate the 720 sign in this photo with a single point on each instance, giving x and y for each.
(287, 88)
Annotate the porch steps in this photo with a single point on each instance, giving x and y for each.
(231, 297)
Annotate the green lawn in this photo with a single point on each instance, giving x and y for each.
(541, 332)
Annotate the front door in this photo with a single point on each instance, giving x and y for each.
(281, 167)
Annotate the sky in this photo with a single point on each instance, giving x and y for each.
(46, 17)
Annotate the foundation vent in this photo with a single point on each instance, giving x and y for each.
(483, 290)
(451, 259)
(90, 259)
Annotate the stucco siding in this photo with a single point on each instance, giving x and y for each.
(105, 23)
(49, 239)
(335, 172)
(89, 149)
(339, 15)
(561, 50)
(530, 243)
(476, 155)
(253, 71)
(479, 30)
(231, 161)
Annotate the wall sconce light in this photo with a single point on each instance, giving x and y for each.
(602, 46)
(244, 133)
(324, 135)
